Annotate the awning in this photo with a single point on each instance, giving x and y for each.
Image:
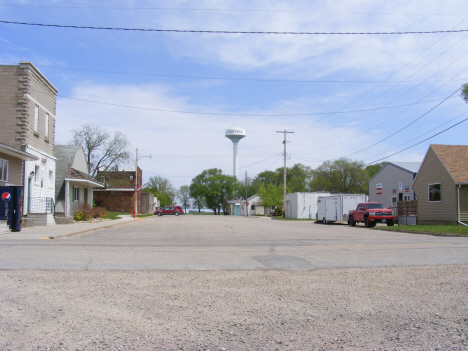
(25, 156)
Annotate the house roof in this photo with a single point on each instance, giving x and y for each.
(81, 176)
(455, 160)
(409, 166)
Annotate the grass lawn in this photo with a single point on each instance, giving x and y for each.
(279, 218)
(458, 230)
(116, 215)
(202, 214)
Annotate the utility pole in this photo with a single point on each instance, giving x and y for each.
(246, 206)
(135, 210)
(284, 180)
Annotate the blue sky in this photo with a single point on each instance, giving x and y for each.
(341, 95)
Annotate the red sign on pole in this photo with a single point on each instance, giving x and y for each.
(246, 204)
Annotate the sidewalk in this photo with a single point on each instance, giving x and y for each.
(63, 230)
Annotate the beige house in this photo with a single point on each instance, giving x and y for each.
(441, 185)
(27, 123)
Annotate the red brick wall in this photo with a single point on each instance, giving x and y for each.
(117, 200)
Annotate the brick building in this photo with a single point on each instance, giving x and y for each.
(27, 123)
(119, 192)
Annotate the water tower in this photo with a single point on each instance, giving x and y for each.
(235, 134)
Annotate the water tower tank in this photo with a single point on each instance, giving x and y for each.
(235, 134)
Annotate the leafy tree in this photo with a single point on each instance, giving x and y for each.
(272, 196)
(199, 202)
(372, 170)
(102, 149)
(209, 185)
(162, 188)
(340, 176)
(297, 177)
(184, 196)
(464, 93)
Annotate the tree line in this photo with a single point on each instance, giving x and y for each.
(212, 189)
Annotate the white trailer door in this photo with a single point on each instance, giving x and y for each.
(331, 209)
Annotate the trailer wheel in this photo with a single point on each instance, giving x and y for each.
(324, 221)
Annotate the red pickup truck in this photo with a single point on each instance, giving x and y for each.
(371, 213)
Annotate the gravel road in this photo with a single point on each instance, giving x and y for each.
(391, 308)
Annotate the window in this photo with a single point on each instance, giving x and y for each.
(407, 197)
(394, 201)
(3, 170)
(37, 174)
(76, 194)
(51, 178)
(46, 130)
(252, 207)
(435, 192)
(36, 118)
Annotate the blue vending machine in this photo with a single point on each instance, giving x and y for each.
(11, 206)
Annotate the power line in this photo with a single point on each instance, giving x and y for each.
(409, 147)
(406, 126)
(328, 81)
(230, 32)
(235, 10)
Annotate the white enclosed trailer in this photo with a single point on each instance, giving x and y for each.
(335, 208)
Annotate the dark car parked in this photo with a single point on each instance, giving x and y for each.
(170, 210)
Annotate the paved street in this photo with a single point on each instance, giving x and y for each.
(231, 283)
(230, 243)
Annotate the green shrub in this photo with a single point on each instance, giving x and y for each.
(80, 216)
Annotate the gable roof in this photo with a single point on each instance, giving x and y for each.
(410, 167)
(455, 160)
(62, 152)
(78, 175)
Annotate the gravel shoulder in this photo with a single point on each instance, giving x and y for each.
(401, 308)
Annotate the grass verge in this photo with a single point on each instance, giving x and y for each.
(116, 215)
(457, 230)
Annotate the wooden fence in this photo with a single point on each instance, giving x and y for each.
(408, 208)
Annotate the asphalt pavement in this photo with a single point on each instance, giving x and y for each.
(224, 243)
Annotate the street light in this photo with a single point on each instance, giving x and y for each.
(135, 210)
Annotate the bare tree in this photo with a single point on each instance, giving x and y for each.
(184, 196)
(102, 149)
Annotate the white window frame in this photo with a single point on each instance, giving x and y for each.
(46, 127)
(4, 170)
(394, 200)
(406, 197)
(76, 194)
(36, 118)
(429, 194)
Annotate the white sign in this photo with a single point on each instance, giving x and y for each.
(378, 186)
(401, 186)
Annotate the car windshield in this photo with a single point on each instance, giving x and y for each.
(375, 206)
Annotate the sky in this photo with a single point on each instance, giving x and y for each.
(366, 97)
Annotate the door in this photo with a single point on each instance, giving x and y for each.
(237, 210)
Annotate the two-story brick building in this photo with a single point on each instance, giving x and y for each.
(119, 190)
(27, 124)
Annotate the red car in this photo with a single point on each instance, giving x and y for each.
(170, 210)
